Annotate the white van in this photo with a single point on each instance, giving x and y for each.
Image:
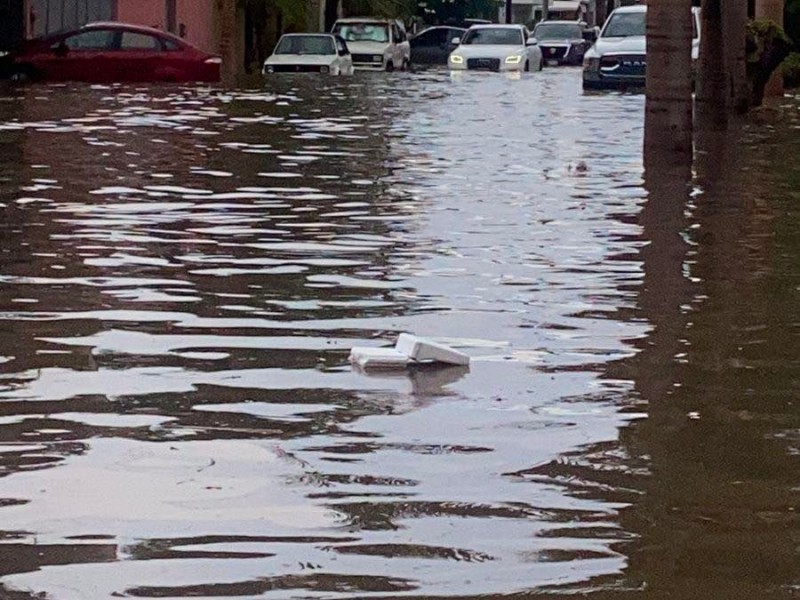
(376, 44)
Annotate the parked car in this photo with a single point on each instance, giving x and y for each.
(113, 52)
(310, 53)
(376, 44)
(496, 48)
(618, 57)
(562, 42)
(432, 46)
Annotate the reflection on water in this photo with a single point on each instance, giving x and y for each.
(184, 271)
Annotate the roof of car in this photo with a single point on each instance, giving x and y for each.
(498, 26)
(635, 8)
(309, 35)
(365, 20)
(561, 22)
(119, 25)
(632, 9)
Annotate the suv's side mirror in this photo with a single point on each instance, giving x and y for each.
(455, 41)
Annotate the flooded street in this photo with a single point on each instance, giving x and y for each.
(183, 271)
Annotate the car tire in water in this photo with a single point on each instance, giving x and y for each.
(389, 67)
(23, 74)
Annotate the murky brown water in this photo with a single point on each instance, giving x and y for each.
(183, 273)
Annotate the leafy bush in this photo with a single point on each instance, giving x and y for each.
(791, 70)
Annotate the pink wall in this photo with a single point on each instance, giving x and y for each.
(196, 16)
(152, 13)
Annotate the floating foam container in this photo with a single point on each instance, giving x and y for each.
(379, 358)
(422, 350)
(408, 350)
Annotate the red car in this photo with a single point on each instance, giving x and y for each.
(114, 52)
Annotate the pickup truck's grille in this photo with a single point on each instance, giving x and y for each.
(623, 66)
(488, 64)
(365, 58)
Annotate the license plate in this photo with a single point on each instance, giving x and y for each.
(552, 63)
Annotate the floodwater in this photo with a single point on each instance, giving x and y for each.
(183, 271)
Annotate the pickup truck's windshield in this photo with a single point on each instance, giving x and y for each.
(363, 32)
(626, 24)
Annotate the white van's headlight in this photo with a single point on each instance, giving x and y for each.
(591, 63)
(456, 59)
(513, 60)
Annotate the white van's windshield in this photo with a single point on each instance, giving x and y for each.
(363, 32)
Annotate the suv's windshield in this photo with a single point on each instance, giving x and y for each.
(556, 31)
(305, 44)
(498, 36)
(625, 24)
(363, 32)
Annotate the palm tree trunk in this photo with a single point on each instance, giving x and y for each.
(226, 11)
(735, 42)
(668, 105)
(712, 91)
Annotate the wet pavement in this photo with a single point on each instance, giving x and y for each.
(184, 269)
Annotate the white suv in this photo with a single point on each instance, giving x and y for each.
(376, 44)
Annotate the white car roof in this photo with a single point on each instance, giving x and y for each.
(366, 20)
(498, 26)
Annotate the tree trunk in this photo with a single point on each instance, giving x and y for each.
(735, 31)
(668, 107)
(226, 9)
(712, 90)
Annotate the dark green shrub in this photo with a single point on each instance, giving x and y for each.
(791, 70)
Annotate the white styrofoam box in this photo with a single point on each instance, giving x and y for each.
(379, 358)
(422, 350)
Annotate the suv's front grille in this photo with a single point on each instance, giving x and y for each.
(489, 64)
(554, 52)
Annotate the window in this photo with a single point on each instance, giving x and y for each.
(558, 31)
(341, 47)
(97, 39)
(139, 41)
(625, 25)
(496, 36)
(305, 44)
(432, 38)
(363, 32)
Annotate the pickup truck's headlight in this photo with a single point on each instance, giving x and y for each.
(456, 59)
(591, 63)
(513, 60)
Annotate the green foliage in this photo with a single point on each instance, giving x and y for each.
(453, 11)
(791, 70)
(295, 14)
(763, 35)
(397, 9)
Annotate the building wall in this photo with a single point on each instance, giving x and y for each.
(48, 16)
(194, 19)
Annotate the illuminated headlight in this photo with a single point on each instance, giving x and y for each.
(513, 60)
(591, 63)
(377, 58)
(456, 59)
